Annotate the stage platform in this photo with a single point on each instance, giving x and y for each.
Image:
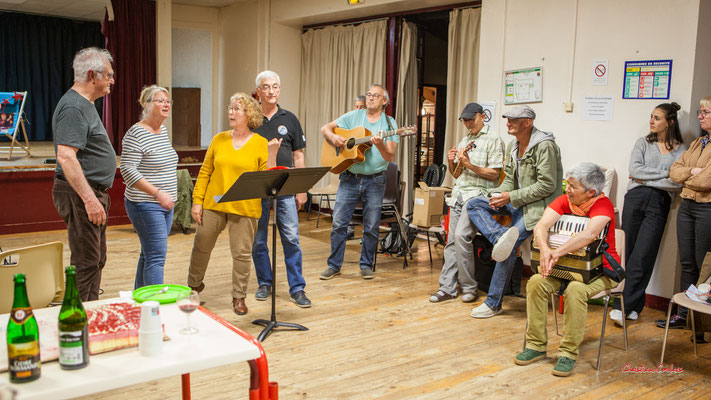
(26, 194)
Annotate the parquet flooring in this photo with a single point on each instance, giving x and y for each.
(382, 339)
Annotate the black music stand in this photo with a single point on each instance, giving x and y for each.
(271, 184)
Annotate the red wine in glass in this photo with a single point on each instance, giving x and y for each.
(188, 302)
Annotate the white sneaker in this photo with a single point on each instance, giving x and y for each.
(633, 316)
(503, 247)
(616, 316)
(483, 311)
(469, 297)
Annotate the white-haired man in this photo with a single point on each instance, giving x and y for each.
(86, 166)
(363, 181)
(584, 197)
(279, 123)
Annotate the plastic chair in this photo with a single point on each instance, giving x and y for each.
(322, 192)
(43, 268)
(682, 300)
(605, 295)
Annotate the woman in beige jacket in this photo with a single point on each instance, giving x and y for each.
(693, 170)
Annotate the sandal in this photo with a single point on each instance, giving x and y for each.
(441, 296)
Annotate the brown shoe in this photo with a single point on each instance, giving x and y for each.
(198, 288)
(239, 306)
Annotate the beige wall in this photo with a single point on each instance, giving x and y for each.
(205, 19)
(526, 33)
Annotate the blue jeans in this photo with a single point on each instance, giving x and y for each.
(370, 190)
(152, 223)
(481, 214)
(287, 219)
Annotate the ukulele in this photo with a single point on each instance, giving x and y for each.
(460, 165)
(357, 143)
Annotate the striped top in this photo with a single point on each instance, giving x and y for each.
(151, 156)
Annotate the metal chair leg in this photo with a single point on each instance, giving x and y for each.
(308, 211)
(318, 212)
(429, 249)
(693, 330)
(666, 332)
(602, 333)
(624, 320)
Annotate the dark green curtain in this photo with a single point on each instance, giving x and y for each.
(36, 54)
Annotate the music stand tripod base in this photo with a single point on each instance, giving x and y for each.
(270, 184)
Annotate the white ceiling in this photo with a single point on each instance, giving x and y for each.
(86, 9)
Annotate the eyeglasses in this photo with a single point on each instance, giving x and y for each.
(163, 101)
(372, 95)
(265, 88)
(232, 109)
(702, 113)
(108, 76)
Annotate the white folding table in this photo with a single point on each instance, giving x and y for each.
(217, 344)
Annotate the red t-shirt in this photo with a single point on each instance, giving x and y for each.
(601, 207)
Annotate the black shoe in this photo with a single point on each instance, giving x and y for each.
(300, 299)
(263, 292)
(675, 322)
(699, 338)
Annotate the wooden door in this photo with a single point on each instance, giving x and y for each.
(186, 117)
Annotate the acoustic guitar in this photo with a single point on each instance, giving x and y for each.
(357, 143)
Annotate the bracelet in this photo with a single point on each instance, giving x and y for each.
(155, 196)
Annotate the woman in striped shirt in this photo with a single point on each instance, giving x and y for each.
(148, 164)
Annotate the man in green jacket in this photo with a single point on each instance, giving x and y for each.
(533, 180)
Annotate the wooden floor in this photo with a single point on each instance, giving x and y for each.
(383, 339)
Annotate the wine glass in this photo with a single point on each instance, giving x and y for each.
(187, 303)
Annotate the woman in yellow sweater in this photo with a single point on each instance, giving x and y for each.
(230, 154)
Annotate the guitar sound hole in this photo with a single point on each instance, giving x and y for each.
(350, 143)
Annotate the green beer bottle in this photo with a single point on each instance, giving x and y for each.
(23, 348)
(73, 326)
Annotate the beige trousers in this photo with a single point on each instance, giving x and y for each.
(576, 295)
(241, 230)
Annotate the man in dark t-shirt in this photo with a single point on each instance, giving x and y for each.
(86, 166)
(279, 123)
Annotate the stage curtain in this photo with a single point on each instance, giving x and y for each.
(131, 40)
(462, 71)
(338, 63)
(37, 53)
(406, 107)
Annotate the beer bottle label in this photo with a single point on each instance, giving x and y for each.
(20, 315)
(71, 351)
(24, 359)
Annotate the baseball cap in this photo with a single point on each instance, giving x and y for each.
(471, 110)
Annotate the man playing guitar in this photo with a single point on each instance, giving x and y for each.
(363, 181)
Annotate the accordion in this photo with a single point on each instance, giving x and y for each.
(584, 264)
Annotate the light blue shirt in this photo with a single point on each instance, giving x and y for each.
(374, 161)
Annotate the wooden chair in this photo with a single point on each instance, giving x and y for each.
(43, 267)
(682, 300)
(606, 295)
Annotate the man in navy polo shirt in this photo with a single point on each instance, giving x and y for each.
(281, 124)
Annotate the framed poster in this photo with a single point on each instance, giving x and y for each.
(10, 107)
(647, 79)
(523, 86)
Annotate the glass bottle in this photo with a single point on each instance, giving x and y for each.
(73, 326)
(23, 348)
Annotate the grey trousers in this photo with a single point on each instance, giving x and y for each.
(458, 253)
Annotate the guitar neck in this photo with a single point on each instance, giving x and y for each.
(382, 135)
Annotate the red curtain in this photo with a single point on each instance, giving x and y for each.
(131, 40)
